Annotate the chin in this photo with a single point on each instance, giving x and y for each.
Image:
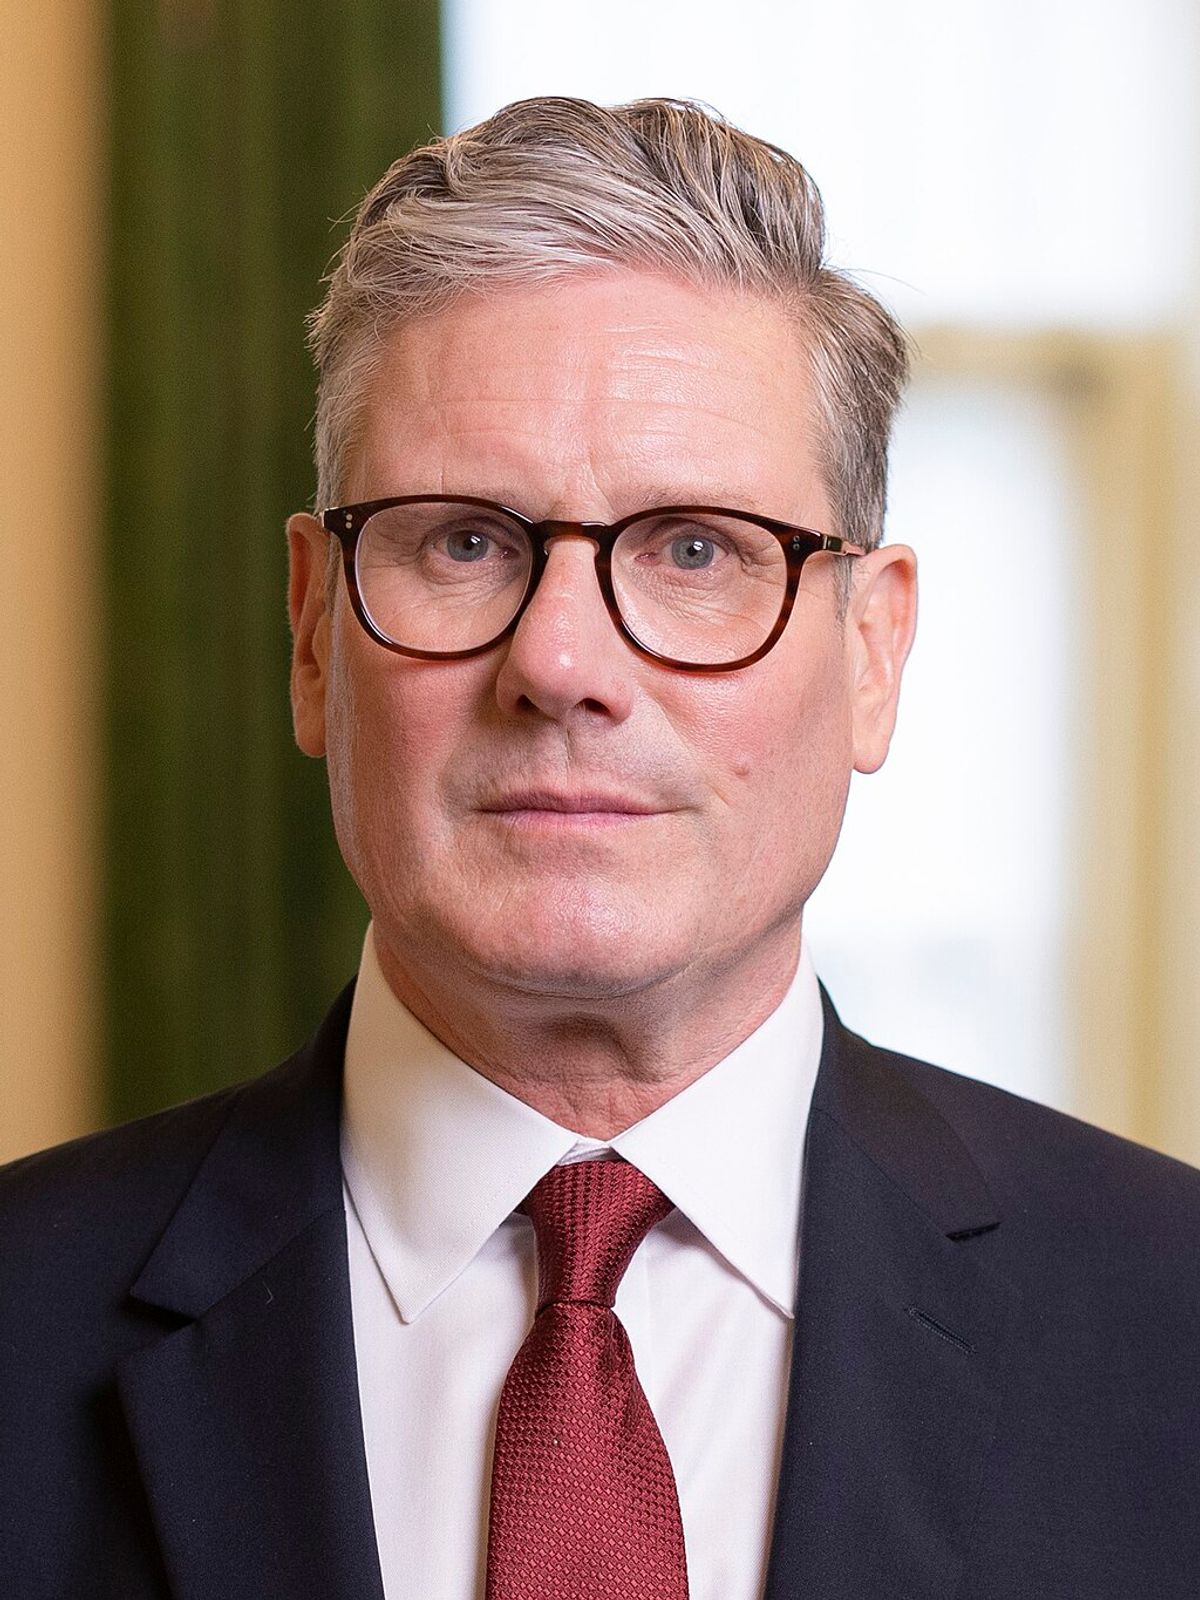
(595, 950)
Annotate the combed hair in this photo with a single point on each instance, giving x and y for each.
(552, 187)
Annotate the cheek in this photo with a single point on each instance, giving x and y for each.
(390, 738)
(793, 789)
(781, 745)
(781, 761)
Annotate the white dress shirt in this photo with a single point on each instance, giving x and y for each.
(443, 1280)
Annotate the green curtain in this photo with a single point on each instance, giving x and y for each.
(240, 133)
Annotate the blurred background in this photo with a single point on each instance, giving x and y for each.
(1017, 893)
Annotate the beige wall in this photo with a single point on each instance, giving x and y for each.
(1130, 408)
(1177, 575)
(51, 188)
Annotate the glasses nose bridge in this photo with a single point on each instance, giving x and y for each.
(543, 533)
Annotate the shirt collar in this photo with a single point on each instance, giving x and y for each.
(436, 1156)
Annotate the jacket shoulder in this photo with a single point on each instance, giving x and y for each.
(119, 1187)
(104, 1193)
(1040, 1161)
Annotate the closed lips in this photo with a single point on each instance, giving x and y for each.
(540, 800)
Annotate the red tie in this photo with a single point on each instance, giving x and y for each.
(583, 1498)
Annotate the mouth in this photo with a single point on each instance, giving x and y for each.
(546, 808)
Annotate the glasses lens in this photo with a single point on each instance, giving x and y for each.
(699, 588)
(442, 575)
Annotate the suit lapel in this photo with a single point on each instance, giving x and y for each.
(245, 1419)
(901, 1343)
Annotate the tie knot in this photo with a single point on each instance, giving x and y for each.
(589, 1218)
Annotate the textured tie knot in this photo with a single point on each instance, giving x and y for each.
(589, 1218)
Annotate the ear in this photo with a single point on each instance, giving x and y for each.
(308, 557)
(880, 623)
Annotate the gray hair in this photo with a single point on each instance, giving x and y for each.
(551, 187)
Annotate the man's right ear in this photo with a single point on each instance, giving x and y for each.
(308, 607)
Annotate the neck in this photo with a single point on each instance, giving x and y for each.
(597, 1066)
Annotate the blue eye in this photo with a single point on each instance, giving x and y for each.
(467, 546)
(692, 553)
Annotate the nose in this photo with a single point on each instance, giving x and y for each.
(566, 657)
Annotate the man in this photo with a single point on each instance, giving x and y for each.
(592, 629)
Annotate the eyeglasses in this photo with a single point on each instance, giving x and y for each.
(699, 588)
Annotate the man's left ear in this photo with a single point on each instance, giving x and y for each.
(880, 622)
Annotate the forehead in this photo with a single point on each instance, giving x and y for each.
(618, 387)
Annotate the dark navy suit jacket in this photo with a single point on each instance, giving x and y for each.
(995, 1390)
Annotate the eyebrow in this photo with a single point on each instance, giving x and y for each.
(740, 497)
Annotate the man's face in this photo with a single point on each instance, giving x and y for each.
(701, 810)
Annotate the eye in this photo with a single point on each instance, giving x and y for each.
(467, 545)
(693, 552)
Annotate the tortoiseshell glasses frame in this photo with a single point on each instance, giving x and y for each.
(347, 522)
